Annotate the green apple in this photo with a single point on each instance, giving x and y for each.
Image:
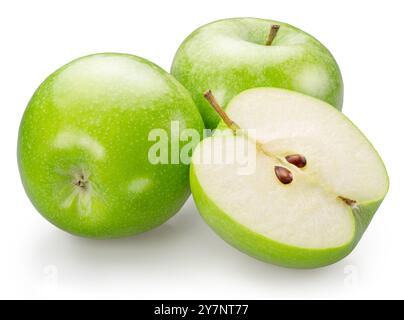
(230, 56)
(315, 185)
(83, 146)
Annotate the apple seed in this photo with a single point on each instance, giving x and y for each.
(297, 160)
(283, 174)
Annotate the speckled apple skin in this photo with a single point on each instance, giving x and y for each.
(230, 56)
(94, 115)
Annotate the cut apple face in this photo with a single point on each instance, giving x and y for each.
(314, 185)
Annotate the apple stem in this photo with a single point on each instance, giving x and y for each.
(272, 34)
(213, 102)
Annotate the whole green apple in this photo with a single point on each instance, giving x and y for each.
(298, 190)
(229, 56)
(83, 146)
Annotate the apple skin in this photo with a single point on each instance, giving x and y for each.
(229, 56)
(268, 250)
(93, 117)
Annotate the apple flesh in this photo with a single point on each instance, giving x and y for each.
(83, 146)
(230, 56)
(316, 183)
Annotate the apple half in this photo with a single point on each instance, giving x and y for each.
(316, 184)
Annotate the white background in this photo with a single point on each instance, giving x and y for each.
(184, 258)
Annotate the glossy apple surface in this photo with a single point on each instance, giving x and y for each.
(312, 186)
(83, 146)
(230, 56)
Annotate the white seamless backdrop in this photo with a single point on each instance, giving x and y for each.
(184, 258)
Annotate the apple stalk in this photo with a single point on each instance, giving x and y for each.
(272, 34)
